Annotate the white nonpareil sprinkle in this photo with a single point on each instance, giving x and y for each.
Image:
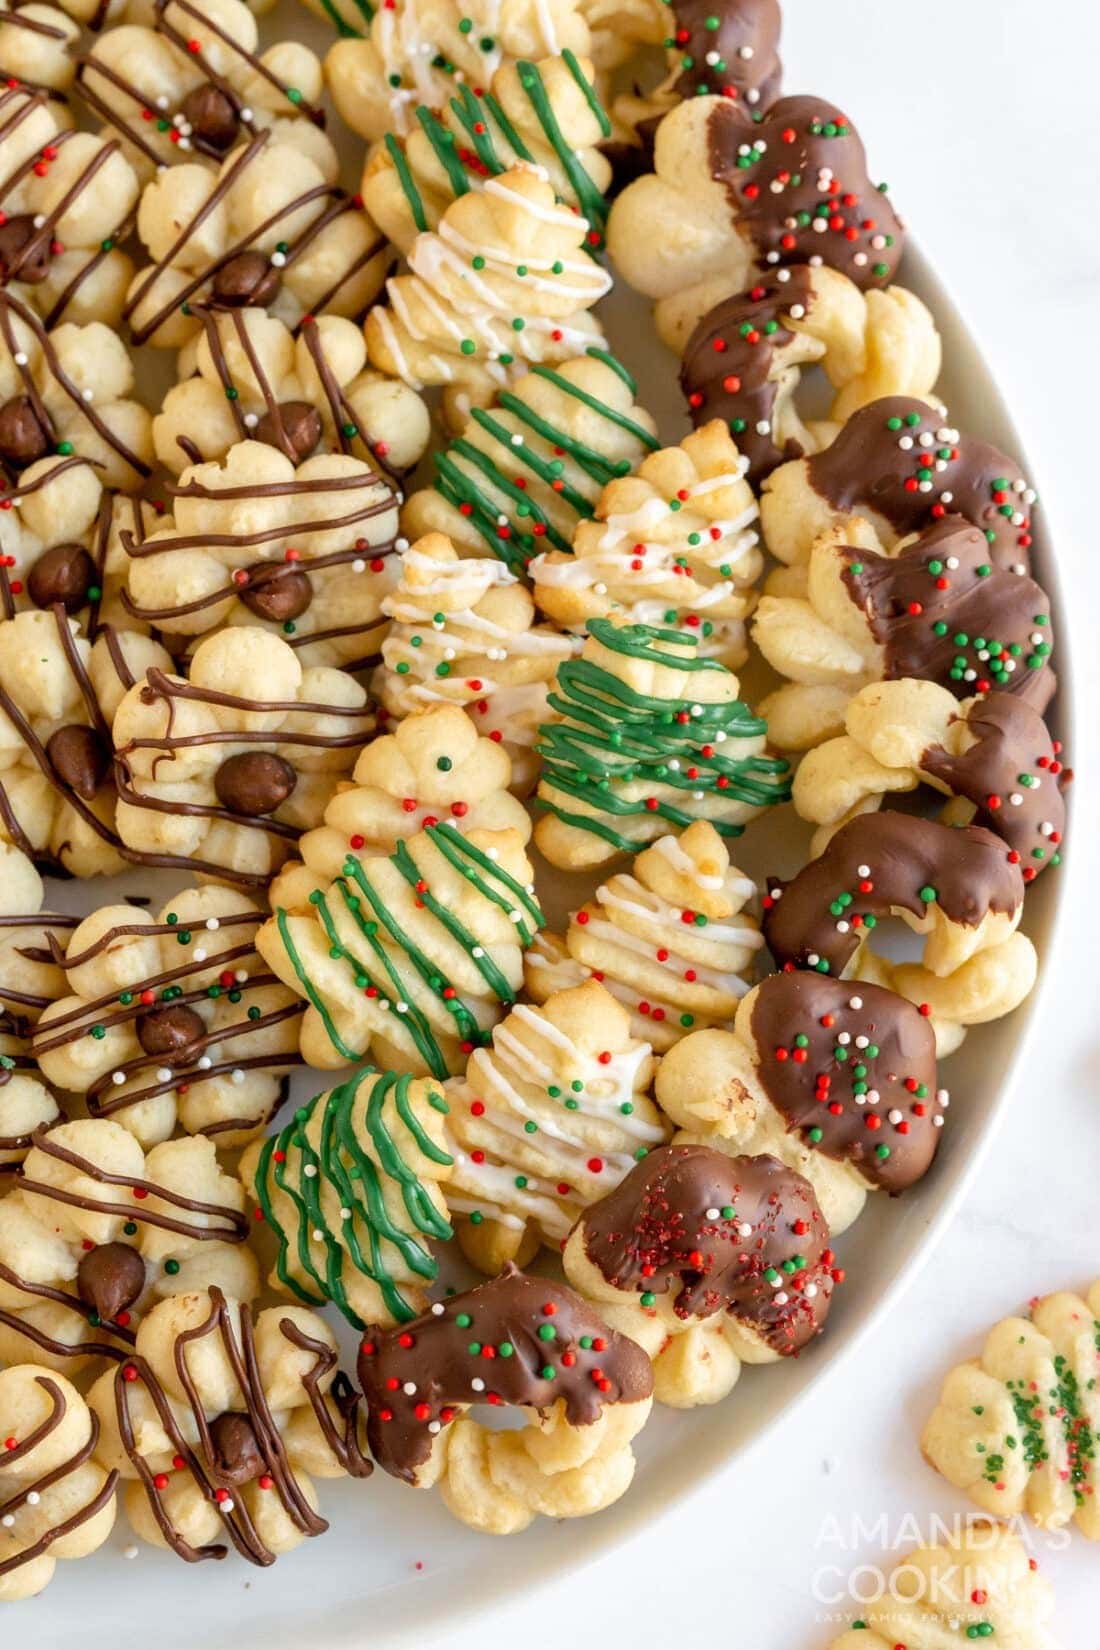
(310, 1170)
(130, 1551)
(477, 1384)
(744, 1230)
(855, 1002)
(711, 1214)
(437, 1309)
(409, 1388)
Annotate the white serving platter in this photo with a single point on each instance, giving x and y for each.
(395, 1567)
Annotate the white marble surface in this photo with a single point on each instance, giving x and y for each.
(982, 115)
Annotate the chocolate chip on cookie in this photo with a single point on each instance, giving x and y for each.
(254, 782)
(80, 759)
(64, 573)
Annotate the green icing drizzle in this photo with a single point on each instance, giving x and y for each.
(356, 1165)
(386, 960)
(339, 21)
(613, 736)
(461, 465)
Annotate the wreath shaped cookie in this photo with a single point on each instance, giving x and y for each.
(993, 756)
(936, 608)
(527, 1342)
(708, 1262)
(961, 888)
(836, 1079)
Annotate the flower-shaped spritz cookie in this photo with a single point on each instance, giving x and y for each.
(219, 1422)
(1018, 1427)
(670, 939)
(212, 777)
(94, 1231)
(978, 1585)
(463, 632)
(838, 1081)
(585, 1391)
(350, 1192)
(674, 544)
(731, 49)
(255, 540)
(66, 196)
(524, 473)
(546, 1120)
(504, 282)
(171, 1020)
(645, 732)
(708, 1262)
(404, 926)
(58, 695)
(546, 112)
(56, 1501)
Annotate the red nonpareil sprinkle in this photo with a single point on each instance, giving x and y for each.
(129, 1373)
(356, 841)
(140, 1192)
(477, 1108)
(368, 1347)
(422, 1411)
(409, 804)
(265, 1481)
(405, 1340)
(160, 1481)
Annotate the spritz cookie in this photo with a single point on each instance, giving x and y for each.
(837, 1079)
(211, 777)
(524, 473)
(935, 608)
(709, 1262)
(646, 732)
(463, 632)
(1016, 1428)
(585, 1391)
(349, 1192)
(170, 1020)
(56, 1500)
(672, 938)
(961, 889)
(674, 544)
(219, 1422)
(548, 1118)
(95, 1231)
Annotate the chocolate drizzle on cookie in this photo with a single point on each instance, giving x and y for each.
(899, 459)
(728, 46)
(882, 863)
(17, 18)
(516, 1340)
(729, 369)
(942, 611)
(742, 1235)
(30, 1493)
(212, 116)
(238, 1447)
(851, 1068)
(1014, 776)
(330, 202)
(798, 189)
(277, 591)
(30, 403)
(173, 1035)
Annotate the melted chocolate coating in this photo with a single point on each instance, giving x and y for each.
(81, 759)
(247, 280)
(929, 622)
(729, 29)
(23, 436)
(868, 468)
(968, 872)
(729, 359)
(275, 595)
(816, 159)
(16, 235)
(875, 1106)
(254, 782)
(1013, 744)
(110, 1278)
(298, 427)
(64, 574)
(443, 1356)
(653, 1234)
